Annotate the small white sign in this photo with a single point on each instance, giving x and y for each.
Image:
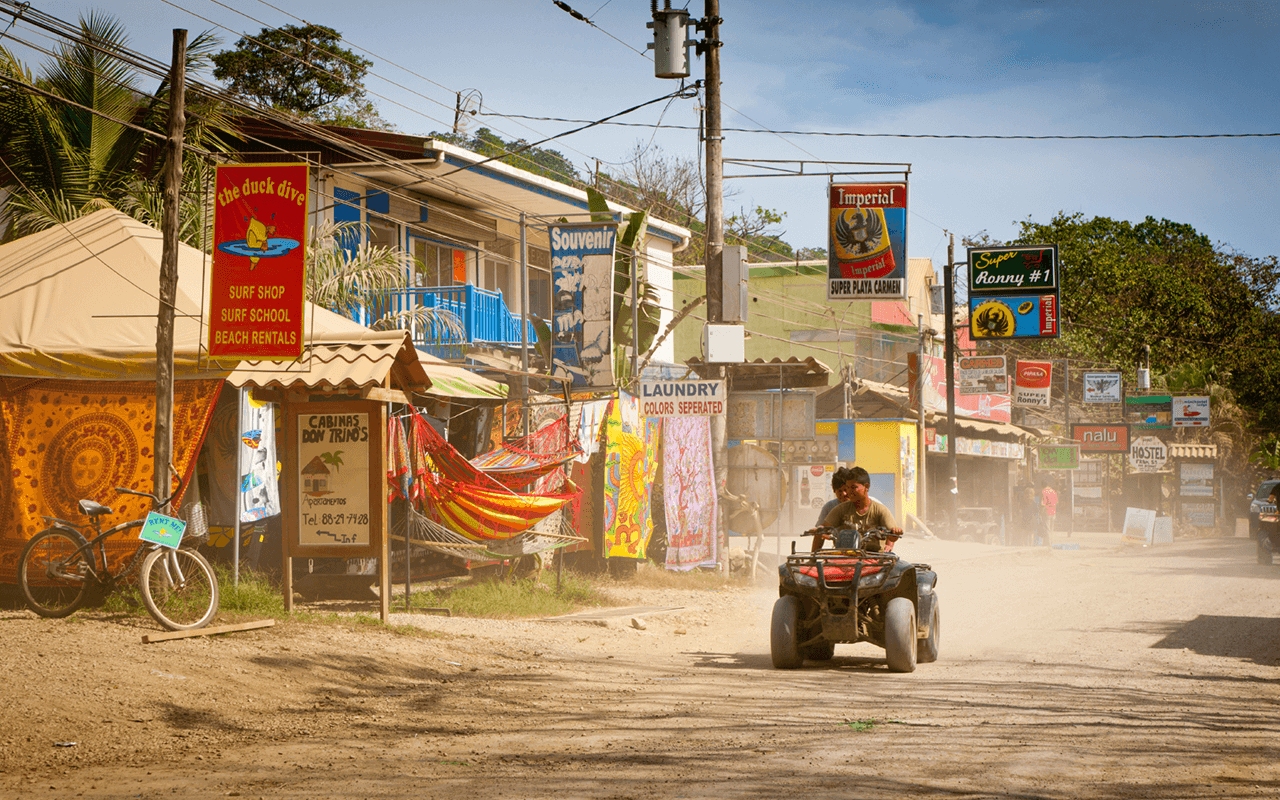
(1190, 412)
(1148, 454)
(1139, 524)
(1102, 387)
(682, 398)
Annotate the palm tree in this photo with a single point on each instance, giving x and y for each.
(70, 142)
(345, 273)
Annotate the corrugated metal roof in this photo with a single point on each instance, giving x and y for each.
(1193, 450)
(346, 365)
(758, 375)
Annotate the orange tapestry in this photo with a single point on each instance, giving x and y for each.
(63, 441)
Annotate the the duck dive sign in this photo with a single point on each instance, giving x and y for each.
(256, 286)
(337, 457)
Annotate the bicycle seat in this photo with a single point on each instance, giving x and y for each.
(91, 509)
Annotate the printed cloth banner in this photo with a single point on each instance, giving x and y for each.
(257, 284)
(259, 495)
(582, 309)
(1033, 384)
(630, 465)
(689, 493)
(64, 441)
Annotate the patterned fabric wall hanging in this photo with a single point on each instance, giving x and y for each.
(631, 461)
(689, 493)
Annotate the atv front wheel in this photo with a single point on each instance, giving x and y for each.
(899, 635)
(927, 648)
(784, 633)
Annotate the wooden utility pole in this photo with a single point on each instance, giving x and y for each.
(169, 265)
(950, 354)
(714, 253)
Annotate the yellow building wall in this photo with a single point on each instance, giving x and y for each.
(887, 450)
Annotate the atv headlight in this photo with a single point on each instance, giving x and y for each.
(874, 580)
(807, 581)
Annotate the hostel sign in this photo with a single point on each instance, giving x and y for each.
(257, 286)
(868, 238)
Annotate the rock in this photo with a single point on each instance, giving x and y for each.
(638, 623)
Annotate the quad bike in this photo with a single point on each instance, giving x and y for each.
(853, 594)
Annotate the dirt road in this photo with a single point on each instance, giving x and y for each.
(1098, 673)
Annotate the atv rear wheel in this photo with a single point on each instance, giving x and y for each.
(927, 648)
(899, 635)
(1264, 548)
(784, 633)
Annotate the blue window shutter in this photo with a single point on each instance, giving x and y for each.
(378, 202)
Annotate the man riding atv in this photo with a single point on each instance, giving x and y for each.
(861, 512)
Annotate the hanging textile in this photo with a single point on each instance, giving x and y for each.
(534, 461)
(689, 493)
(593, 414)
(259, 495)
(62, 441)
(630, 464)
(456, 494)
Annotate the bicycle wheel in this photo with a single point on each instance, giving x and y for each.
(53, 573)
(179, 588)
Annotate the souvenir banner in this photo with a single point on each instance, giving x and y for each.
(1102, 387)
(1101, 438)
(257, 284)
(1190, 412)
(1033, 383)
(982, 375)
(868, 238)
(582, 312)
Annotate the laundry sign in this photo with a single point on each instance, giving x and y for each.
(677, 398)
(1033, 383)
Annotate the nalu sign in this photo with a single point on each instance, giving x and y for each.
(682, 398)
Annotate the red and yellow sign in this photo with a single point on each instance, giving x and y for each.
(257, 291)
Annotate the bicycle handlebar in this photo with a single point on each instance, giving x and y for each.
(154, 499)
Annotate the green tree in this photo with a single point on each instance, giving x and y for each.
(70, 139)
(297, 68)
(516, 152)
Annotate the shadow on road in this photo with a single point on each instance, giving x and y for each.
(1250, 638)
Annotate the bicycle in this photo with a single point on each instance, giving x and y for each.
(60, 565)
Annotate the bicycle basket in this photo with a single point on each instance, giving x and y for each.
(197, 518)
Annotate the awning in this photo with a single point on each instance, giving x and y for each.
(448, 380)
(761, 375)
(875, 400)
(1207, 452)
(374, 362)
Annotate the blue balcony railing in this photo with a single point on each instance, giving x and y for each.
(484, 316)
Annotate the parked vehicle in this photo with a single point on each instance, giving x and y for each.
(1264, 521)
(851, 594)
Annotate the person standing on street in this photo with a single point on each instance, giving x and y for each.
(1048, 509)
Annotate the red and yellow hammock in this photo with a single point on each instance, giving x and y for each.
(453, 492)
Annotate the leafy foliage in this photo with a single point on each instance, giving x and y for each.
(298, 68)
(517, 152)
(64, 160)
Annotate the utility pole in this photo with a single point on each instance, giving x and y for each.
(163, 447)
(714, 250)
(949, 353)
(922, 447)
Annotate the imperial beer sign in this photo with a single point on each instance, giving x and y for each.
(1013, 292)
(868, 242)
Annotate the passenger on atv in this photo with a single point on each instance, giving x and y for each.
(861, 513)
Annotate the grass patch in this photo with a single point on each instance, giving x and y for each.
(254, 595)
(861, 725)
(517, 599)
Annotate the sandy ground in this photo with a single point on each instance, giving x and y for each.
(1104, 672)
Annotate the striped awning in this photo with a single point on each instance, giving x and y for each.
(1193, 451)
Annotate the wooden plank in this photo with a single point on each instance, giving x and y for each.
(243, 626)
(385, 395)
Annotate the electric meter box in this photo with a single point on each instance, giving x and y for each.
(724, 344)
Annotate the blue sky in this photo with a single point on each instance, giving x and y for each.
(873, 66)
